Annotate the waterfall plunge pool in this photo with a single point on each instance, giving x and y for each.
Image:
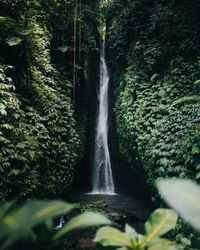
(118, 201)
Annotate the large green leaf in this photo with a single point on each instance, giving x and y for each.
(184, 197)
(109, 236)
(160, 222)
(122, 248)
(160, 246)
(82, 221)
(163, 244)
(130, 231)
(44, 210)
(132, 234)
(19, 222)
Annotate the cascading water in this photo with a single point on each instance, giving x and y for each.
(102, 179)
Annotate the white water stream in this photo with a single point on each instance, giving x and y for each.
(102, 179)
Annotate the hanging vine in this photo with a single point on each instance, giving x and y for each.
(80, 28)
(74, 69)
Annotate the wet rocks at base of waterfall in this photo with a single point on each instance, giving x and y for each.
(120, 214)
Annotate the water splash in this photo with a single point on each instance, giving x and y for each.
(61, 223)
(102, 179)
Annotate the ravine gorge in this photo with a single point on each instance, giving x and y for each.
(99, 124)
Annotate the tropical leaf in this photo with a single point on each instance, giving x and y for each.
(109, 236)
(160, 222)
(82, 221)
(163, 244)
(159, 246)
(44, 210)
(183, 196)
(19, 222)
(13, 41)
(122, 248)
(131, 233)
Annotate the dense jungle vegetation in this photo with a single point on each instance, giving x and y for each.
(154, 52)
(42, 129)
(49, 60)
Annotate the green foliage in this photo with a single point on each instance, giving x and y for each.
(153, 55)
(164, 133)
(183, 196)
(160, 222)
(109, 236)
(35, 141)
(13, 32)
(84, 220)
(17, 223)
(23, 223)
(39, 140)
(42, 133)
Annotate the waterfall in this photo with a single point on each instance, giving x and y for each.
(102, 179)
